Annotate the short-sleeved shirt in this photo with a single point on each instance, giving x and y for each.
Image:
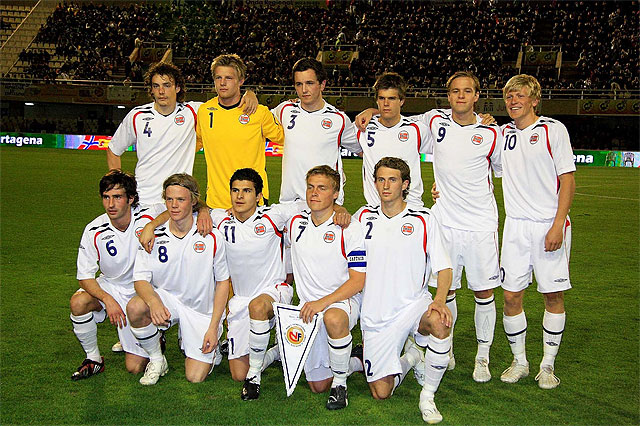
(165, 145)
(233, 140)
(312, 139)
(322, 255)
(105, 248)
(254, 247)
(402, 251)
(405, 140)
(533, 159)
(463, 158)
(186, 267)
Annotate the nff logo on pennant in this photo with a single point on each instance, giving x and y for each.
(295, 335)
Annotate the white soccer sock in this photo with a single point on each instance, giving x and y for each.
(485, 319)
(355, 365)
(271, 355)
(407, 361)
(339, 357)
(453, 307)
(149, 339)
(552, 328)
(515, 328)
(258, 342)
(435, 363)
(86, 331)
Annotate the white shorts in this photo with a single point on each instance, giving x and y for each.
(383, 347)
(192, 326)
(477, 253)
(238, 324)
(523, 252)
(317, 366)
(127, 339)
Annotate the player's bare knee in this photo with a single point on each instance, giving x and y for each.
(554, 302)
(79, 303)
(379, 391)
(513, 302)
(451, 293)
(484, 294)
(319, 387)
(238, 376)
(196, 375)
(433, 325)
(259, 309)
(336, 322)
(135, 367)
(137, 311)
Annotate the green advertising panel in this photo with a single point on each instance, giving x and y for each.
(39, 140)
(606, 158)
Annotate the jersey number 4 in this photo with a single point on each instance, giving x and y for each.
(147, 129)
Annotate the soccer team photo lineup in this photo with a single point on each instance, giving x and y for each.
(310, 212)
(169, 256)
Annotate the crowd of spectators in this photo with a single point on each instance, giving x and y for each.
(424, 41)
(95, 40)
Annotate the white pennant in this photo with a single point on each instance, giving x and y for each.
(295, 339)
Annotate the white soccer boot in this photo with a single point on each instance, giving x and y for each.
(430, 413)
(154, 371)
(515, 372)
(546, 379)
(452, 361)
(481, 373)
(117, 347)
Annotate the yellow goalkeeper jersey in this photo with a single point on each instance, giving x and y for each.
(233, 140)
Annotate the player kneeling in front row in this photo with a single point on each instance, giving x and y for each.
(109, 243)
(253, 238)
(403, 245)
(329, 264)
(183, 280)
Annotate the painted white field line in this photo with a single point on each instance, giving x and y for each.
(605, 196)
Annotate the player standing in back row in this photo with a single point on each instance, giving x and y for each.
(538, 186)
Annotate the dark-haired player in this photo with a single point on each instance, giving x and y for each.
(109, 244)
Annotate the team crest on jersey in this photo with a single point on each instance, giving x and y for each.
(179, 119)
(476, 139)
(260, 229)
(403, 136)
(138, 231)
(534, 139)
(329, 237)
(243, 119)
(407, 229)
(199, 247)
(295, 335)
(327, 123)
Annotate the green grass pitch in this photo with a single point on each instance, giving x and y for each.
(48, 196)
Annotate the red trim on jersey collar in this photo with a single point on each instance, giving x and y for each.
(282, 110)
(135, 131)
(433, 118)
(275, 228)
(363, 212)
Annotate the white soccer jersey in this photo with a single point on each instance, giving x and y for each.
(312, 139)
(113, 252)
(186, 267)
(463, 157)
(322, 255)
(165, 145)
(533, 158)
(401, 253)
(254, 247)
(405, 140)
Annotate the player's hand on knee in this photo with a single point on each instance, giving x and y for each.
(160, 315)
(147, 237)
(487, 119)
(553, 239)
(204, 223)
(442, 311)
(249, 102)
(435, 194)
(115, 312)
(210, 340)
(310, 309)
